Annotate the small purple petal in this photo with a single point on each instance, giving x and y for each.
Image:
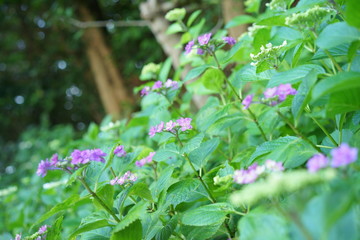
(189, 46)
(120, 151)
(229, 40)
(316, 162)
(204, 39)
(343, 155)
(247, 101)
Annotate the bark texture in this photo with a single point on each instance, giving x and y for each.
(231, 9)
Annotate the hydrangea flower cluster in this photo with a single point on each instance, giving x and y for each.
(181, 124)
(145, 160)
(280, 5)
(268, 54)
(253, 172)
(77, 157)
(340, 156)
(311, 17)
(128, 177)
(159, 86)
(120, 151)
(39, 235)
(272, 96)
(206, 44)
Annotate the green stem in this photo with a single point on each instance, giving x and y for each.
(101, 202)
(296, 131)
(333, 61)
(325, 131)
(196, 173)
(238, 96)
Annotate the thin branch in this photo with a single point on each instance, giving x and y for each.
(109, 23)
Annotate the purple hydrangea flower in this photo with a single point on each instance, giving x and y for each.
(200, 51)
(189, 46)
(170, 126)
(42, 229)
(270, 92)
(120, 151)
(157, 85)
(171, 84)
(43, 167)
(273, 166)
(204, 39)
(247, 101)
(316, 162)
(54, 159)
(343, 155)
(245, 176)
(145, 91)
(18, 237)
(147, 159)
(284, 90)
(156, 129)
(229, 40)
(126, 178)
(185, 123)
(85, 156)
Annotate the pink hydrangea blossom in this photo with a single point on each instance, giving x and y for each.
(156, 129)
(145, 91)
(171, 84)
(229, 40)
(157, 85)
(204, 39)
(120, 151)
(185, 123)
(126, 178)
(43, 167)
(317, 162)
(189, 46)
(343, 155)
(247, 101)
(147, 159)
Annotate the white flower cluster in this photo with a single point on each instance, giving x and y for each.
(268, 53)
(280, 5)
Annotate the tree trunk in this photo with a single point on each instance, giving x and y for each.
(231, 9)
(109, 82)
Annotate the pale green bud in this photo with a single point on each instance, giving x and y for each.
(310, 18)
(150, 71)
(177, 14)
(280, 5)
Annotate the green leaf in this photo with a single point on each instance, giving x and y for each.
(248, 74)
(97, 234)
(134, 214)
(106, 193)
(163, 181)
(131, 232)
(338, 83)
(353, 50)
(207, 215)
(193, 17)
(194, 143)
(141, 189)
(55, 230)
(292, 151)
(277, 20)
(75, 174)
(262, 225)
(67, 203)
(336, 34)
(195, 72)
(174, 28)
(340, 50)
(303, 95)
(90, 226)
(343, 102)
(199, 233)
(239, 20)
(183, 191)
(199, 156)
(294, 75)
(296, 55)
(212, 79)
(261, 38)
(165, 69)
(170, 151)
(168, 229)
(352, 9)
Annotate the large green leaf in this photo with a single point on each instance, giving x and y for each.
(340, 50)
(67, 203)
(55, 230)
(294, 75)
(200, 155)
(248, 74)
(90, 226)
(207, 215)
(134, 214)
(167, 230)
(131, 232)
(336, 34)
(194, 143)
(195, 72)
(260, 225)
(184, 191)
(212, 79)
(352, 9)
(106, 193)
(163, 181)
(303, 95)
(141, 189)
(238, 20)
(292, 151)
(340, 82)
